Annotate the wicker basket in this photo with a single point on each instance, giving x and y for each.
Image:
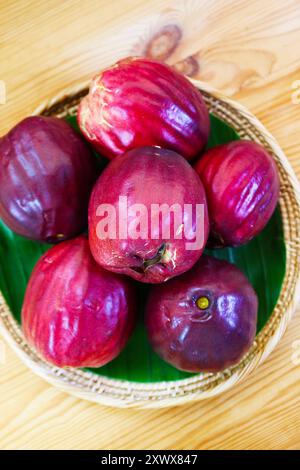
(122, 393)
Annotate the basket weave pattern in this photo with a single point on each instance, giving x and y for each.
(123, 393)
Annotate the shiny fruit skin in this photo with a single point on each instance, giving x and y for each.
(46, 175)
(148, 176)
(242, 187)
(208, 340)
(75, 313)
(140, 102)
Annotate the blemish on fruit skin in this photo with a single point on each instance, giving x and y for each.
(166, 316)
(98, 89)
(162, 45)
(84, 116)
(102, 92)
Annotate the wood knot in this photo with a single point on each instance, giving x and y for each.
(188, 66)
(163, 43)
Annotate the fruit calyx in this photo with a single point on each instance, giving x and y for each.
(158, 258)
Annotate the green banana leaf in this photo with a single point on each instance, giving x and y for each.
(263, 260)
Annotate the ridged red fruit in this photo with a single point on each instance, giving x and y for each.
(205, 320)
(242, 188)
(140, 102)
(154, 179)
(46, 175)
(75, 313)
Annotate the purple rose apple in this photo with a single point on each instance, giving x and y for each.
(204, 320)
(47, 173)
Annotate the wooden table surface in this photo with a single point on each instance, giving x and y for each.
(249, 50)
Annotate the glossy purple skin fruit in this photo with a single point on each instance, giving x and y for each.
(242, 187)
(46, 175)
(75, 313)
(140, 102)
(149, 176)
(207, 340)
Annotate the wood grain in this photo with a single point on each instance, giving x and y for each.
(248, 50)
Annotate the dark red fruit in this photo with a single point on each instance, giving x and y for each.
(140, 102)
(46, 175)
(242, 188)
(149, 177)
(75, 313)
(204, 320)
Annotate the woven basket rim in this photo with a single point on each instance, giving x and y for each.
(123, 393)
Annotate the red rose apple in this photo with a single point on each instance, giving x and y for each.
(145, 209)
(242, 187)
(75, 313)
(140, 102)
